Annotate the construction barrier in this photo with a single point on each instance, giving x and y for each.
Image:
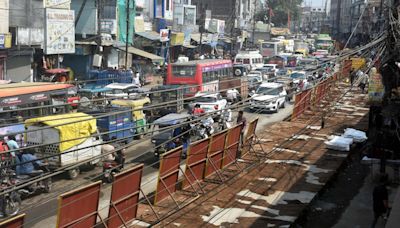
(249, 138)
(125, 197)
(14, 222)
(79, 208)
(232, 145)
(215, 153)
(196, 162)
(86, 199)
(168, 174)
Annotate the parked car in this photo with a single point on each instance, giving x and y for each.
(269, 97)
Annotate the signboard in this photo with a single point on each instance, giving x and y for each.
(375, 88)
(5, 41)
(109, 26)
(57, 4)
(177, 38)
(164, 35)
(59, 31)
(221, 27)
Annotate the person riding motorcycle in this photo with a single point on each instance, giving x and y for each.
(197, 110)
(28, 163)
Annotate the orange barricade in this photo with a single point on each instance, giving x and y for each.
(216, 153)
(297, 105)
(168, 174)
(232, 145)
(125, 197)
(78, 208)
(14, 222)
(250, 136)
(196, 162)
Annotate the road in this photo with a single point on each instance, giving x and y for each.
(41, 210)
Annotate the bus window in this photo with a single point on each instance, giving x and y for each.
(246, 61)
(239, 60)
(184, 71)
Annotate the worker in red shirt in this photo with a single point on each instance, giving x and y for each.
(197, 110)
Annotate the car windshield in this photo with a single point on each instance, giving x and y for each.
(297, 75)
(118, 91)
(205, 99)
(268, 91)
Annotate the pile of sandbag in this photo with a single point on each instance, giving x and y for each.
(343, 142)
(356, 135)
(340, 143)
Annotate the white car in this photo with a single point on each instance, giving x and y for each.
(123, 90)
(210, 102)
(269, 96)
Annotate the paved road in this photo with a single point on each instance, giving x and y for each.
(41, 210)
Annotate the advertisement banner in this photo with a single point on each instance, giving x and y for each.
(375, 87)
(5, 41)
(164, 35)
(59, 31)
(109, 26)
(57, 4)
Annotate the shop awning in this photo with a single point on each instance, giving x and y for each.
(189, 46)
(151, 35)
(152, 57)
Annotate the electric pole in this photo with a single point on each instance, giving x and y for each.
(254, 22)
(128, 3)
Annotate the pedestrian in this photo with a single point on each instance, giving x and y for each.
(363, 82)
(12, 144)
(241, 120)
(352, 76)
(380, 197)
(136, 79)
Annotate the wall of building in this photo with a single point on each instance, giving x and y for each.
(26, 13)
(88, 21)
(4, 16)
(18, 68)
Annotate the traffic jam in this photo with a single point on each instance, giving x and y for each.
(63, 130)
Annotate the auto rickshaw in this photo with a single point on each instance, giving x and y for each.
(165, 140)
(138, 115)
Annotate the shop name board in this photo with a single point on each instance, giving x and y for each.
(57, 4)
(59, 31)
(109, 26)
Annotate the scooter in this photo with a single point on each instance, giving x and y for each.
(37, 186)
(225, 121)
(205, 128)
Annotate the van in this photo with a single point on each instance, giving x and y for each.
(251, 59)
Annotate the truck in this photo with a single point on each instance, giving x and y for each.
(324, 42)
(65, 140)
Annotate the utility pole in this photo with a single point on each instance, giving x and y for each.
(128, 3)
(254, 22)
(339, 8)
(99, 18)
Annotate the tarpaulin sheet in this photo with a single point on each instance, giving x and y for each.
(216, 153)
(168, 174)
(70, 126)
(122, 20)
(78, 208)
(125, 196)
(196, 162)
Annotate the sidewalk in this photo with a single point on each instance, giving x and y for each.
(359, 213)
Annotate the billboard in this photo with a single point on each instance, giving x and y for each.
(59, 31)
(59, 4)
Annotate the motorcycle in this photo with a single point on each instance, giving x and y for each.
(110, 168)
(204, 129)
(225, 121)
(37, 186)
(11, 201)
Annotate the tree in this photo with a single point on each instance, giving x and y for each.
(280, 9)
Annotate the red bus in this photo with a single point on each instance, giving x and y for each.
(201, 75)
